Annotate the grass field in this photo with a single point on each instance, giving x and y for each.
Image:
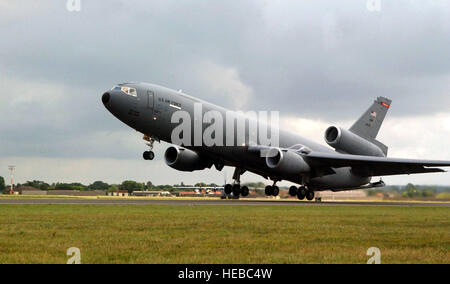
(223, 234)
(265, 199)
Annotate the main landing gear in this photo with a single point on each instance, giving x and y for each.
(302, 192)
(149, 155)
(235, 190)
(272, 190)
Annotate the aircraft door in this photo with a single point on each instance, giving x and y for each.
(152, 107)
(150, 100)
(147, 104)
(147, 110)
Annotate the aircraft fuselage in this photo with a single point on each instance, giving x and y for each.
(150, 112)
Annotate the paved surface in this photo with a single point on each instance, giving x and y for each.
(176, 202)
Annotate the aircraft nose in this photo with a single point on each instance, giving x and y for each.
(105, 98)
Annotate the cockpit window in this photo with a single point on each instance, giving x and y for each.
(127, 90)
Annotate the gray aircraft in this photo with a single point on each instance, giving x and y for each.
(355, 156)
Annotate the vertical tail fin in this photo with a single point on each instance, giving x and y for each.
(368, 126)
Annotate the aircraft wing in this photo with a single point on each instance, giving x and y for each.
(374, 166)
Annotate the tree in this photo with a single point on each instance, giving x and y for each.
(37, 184)
(2, 185)
(131, 186)
(427, 192)
(149, 185)
(411, 191)
(113, 188)
(99, 185)
(70, 186)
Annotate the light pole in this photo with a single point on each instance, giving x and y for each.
(12, 168)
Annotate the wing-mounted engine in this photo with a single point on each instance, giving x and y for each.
(286, 163)
(348, 142)
(185, 160)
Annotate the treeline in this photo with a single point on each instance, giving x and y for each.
(411, 190)
(127, 185)
(408, 191)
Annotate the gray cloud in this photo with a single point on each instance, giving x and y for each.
(286, 51)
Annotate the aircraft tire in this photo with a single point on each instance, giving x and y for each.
(148, 155)
(236, 190)
(293, 191)
(301, 194)
(245, 191)
(275, 191)
(269, 190)
(228, 189)
(310, 195)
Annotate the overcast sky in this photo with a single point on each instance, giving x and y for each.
(318, 62)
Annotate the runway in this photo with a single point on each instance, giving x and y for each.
(206, 202)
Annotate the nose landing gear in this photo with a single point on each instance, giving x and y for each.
(149, 155)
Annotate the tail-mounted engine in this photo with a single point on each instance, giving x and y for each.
(346, 141)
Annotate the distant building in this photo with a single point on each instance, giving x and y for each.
(121, 193)
(29, 190)
(198, 194)
(77, 192)
(152, 193)
(188, 194)
(346, 195)
(8, 190)
(25, 190)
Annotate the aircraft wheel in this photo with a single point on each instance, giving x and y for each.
(275, 191)
(301, 194)
(245, 191)
(293, 191)
(269, 190)
(310, 195)
(148, 155)
(236, 190)
(228, 189)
